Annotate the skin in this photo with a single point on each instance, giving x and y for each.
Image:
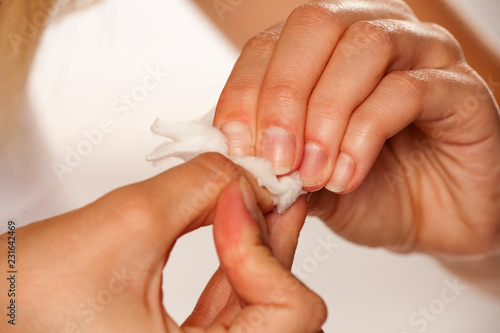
(365, 78)
(396, 135)
(102, 264)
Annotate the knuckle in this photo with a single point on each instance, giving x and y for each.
(128, 207)
(134, 208)
(370, 37)
(238, 97)
(408, 83)
(313, 13)
(402, 7)
(452, 47)
(261, 42)
(398, 9)
(216, 168)
(468, 77)
(325, 107)
(364, 129)
(283, 93)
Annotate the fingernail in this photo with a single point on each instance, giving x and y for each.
(239, 138)
(278, 146)
(252, 208)
(313, 165)
(342, 174)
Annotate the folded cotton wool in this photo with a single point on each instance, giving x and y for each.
(190, 139)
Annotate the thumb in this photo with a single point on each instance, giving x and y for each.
(178, 200)
(218, 303)
(276, 300)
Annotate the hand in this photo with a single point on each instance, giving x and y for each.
(99, 268)
(365, 100)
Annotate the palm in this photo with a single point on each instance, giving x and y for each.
(421, 187)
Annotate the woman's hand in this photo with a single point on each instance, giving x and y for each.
(367, 101)
(99, 268)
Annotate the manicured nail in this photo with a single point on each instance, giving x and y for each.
(239, 138)
(278, 146)
(252, 208)
(313, 165)
(342, 174)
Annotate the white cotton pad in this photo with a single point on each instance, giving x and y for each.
(285, 189)
(190, 139)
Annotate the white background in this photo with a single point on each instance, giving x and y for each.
(88, 60)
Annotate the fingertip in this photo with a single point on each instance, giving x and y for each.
(250, 201)
(313, 167)
(240, 138)
(279, 147)
(244, 256)
(235, 224)
(343, 173)
(284, 230)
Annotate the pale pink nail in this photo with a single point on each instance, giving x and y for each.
(313, 164)
(239, 138)
(251, 205)
(342, 174)
(278, 146)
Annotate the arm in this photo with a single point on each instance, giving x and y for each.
(246, 18)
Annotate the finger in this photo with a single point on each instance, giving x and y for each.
(237, 108)
(283, 232)
(367, 51)
(277, 301)
(177, 201)
(380, 117)
(307, 41)
(214, 298)
(181, 200)
(187, 194)
(236, 111)
(217, 299)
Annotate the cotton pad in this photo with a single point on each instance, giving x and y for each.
(190, 139)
